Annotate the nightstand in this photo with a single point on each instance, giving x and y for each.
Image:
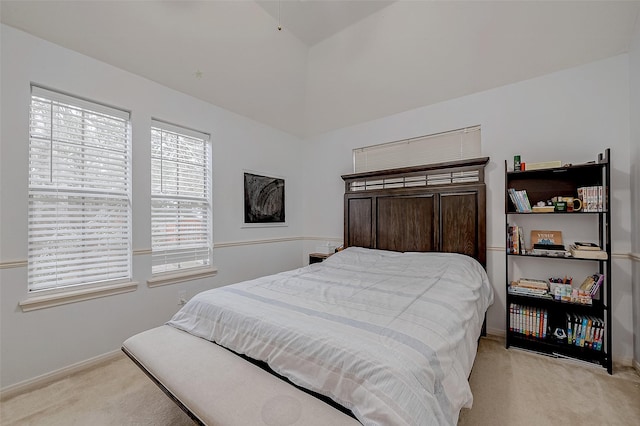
(318, 257)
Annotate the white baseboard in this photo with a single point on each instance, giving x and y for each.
(40, 381)
(496, 332)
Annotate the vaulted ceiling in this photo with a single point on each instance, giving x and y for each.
(334, 63)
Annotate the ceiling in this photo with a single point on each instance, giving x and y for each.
(334, 63)
(313, 21)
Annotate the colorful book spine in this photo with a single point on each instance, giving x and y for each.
(592, 198)
(596, 286)
(528, 321)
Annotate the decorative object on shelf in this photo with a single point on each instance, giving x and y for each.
(546, 239)
(543, 208)
(560, 335)
(571, 204)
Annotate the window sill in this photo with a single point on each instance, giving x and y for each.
(32, 303)
(178, 277)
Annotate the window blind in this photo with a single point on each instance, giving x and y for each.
(448, 146)
(79, 224)
(181, 236)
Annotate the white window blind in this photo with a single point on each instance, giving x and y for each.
(79, 229)
(448, 146)
(181, 236)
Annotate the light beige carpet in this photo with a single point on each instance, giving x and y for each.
(510, 387)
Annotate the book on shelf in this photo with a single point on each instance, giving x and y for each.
(533, 283)
(557, 247)
(592, 283)
(585, 331)
(515, 239)
(520, 200)
(543, 165)
(587, 254)
(531, 288)
(528, 321)
(521, 291)
(592, 198)
(581, 245)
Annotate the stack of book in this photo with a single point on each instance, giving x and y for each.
(520, 200)
(585, 331)
(587, 251)
(528, 321)
(530, 287)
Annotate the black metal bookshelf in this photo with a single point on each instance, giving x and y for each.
(542, 185)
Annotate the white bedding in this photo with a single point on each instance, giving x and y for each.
(391, 336)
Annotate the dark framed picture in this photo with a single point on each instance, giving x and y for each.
(263, 199)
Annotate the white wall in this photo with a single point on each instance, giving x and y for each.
(42, 341)
(634, 74)
(571, 116)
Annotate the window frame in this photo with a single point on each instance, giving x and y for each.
(78, 176)
(169, 272)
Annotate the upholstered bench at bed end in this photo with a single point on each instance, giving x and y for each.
(216, 387)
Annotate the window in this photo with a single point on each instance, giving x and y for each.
(441, 147)
(180, 198)
(79, 192)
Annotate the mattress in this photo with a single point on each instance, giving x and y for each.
(390, 336)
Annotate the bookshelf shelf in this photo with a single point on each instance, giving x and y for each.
(542, 256)
(550, 347)
(559, 213)
(544, 317)
(596, 308)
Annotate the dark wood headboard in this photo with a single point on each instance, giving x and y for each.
(437, 207)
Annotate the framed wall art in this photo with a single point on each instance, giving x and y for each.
(263, 199)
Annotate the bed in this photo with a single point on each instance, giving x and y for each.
(382, 333)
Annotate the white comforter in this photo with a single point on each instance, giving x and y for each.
(391, 336)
